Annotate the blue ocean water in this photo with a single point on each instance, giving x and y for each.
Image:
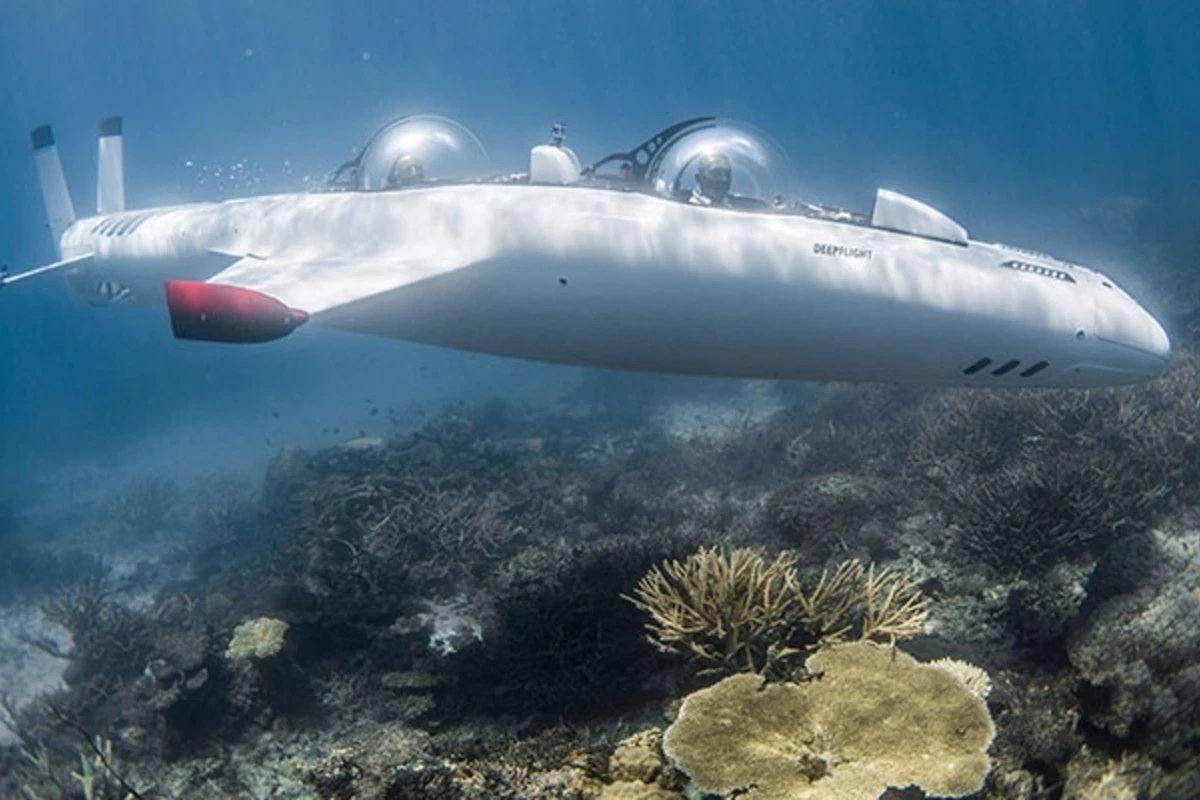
(1010, 116)
(443, 602)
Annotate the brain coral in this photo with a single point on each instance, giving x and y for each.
(875, 718)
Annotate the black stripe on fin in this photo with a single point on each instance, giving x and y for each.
(42, 137)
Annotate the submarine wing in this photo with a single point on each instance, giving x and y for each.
(259, 299)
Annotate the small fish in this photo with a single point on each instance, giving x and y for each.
(111, 291)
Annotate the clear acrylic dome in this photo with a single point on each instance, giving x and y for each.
(759, 169)
(419, 149)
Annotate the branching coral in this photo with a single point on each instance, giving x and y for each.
(828, 607)
(440, 528)
(893, 606)
(823, 514)
(1031, 475)
(108, 638)
(721, 609)
(738, 612)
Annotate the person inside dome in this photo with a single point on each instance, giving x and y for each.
(406, 171)
(714, 177)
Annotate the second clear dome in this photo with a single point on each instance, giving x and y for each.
(420, 149)
(758, 169)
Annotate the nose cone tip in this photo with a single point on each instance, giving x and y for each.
(1159, 343)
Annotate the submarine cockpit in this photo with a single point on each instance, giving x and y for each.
(411, 151)
(723, 163)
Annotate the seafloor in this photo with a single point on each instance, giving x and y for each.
(449, 612)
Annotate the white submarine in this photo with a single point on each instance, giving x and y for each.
(691, 255)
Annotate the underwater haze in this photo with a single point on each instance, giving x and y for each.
(1009, 116)
(338, 566)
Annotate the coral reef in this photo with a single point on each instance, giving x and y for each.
(726, 610)
(446, 613)
(1033, 477)
(258, 638)
(563, 640)
(737, 612)
(873, 718)
(1138, 648)
(836, 513)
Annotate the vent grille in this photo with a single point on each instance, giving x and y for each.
(978, 365)
(1038, 269)
(122, 225)
(1006, 367)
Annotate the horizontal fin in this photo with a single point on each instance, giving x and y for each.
(74, 261)
(234, 257)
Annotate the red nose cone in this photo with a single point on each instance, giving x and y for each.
(211, 312)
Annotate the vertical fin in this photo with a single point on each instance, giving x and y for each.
(110, 183)
(59, 210)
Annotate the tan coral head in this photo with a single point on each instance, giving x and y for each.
(875, 718)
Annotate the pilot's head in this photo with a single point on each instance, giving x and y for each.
(406, 171)
(714, 176)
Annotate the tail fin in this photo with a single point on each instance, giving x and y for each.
(110, 185)
(59, 210)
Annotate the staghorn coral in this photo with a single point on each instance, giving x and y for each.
(109, 640)
(893, 606)
(721, 609)
(833, 512)
(859, 428)
(437, 529)
(735, 611)
(876, 718)
(1033, 476)
(827, 608)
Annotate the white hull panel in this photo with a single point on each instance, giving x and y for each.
(598, 277)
